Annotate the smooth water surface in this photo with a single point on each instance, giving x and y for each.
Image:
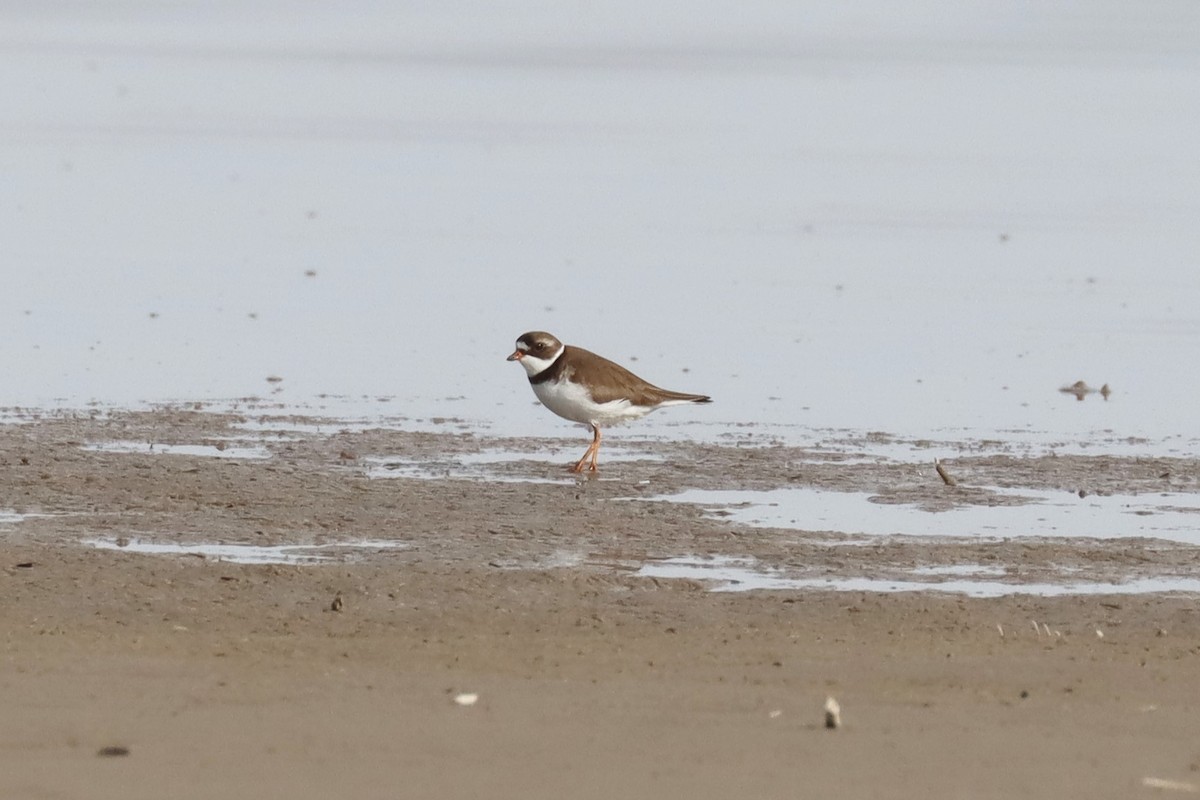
(912, 218)
(1169, 516)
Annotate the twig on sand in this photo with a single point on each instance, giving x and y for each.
(943, 474)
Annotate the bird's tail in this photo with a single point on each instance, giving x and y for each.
(674, 398)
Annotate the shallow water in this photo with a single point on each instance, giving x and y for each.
(205, 450)
(544, 467)
(1169, 516)
(742, 574)
(252, 554)
(878, 218)
(332, 415)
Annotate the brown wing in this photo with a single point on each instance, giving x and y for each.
(614, 382)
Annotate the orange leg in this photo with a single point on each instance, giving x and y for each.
(593, 452)
(595, 449)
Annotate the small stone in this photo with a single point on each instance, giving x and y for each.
(833, 713)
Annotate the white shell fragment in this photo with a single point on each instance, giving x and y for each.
(1170, 785)
(466, 699)
(833, 713)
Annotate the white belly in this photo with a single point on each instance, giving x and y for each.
(571, 401)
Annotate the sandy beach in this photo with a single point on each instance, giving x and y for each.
(214, 678)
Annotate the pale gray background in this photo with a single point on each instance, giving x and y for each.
(802, 204)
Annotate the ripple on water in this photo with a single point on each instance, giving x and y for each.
(202, 450)
(294, 554)
(729, 574)
(489, 465)
(10, 517)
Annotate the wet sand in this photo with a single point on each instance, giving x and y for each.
(226, 679)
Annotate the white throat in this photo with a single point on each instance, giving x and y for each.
(533, 365)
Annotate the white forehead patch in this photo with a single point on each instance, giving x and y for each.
(533, 365)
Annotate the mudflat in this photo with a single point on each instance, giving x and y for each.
(132, 674)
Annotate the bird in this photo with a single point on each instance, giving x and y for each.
(583, 387)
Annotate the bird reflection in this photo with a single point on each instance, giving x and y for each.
(1081, 390)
